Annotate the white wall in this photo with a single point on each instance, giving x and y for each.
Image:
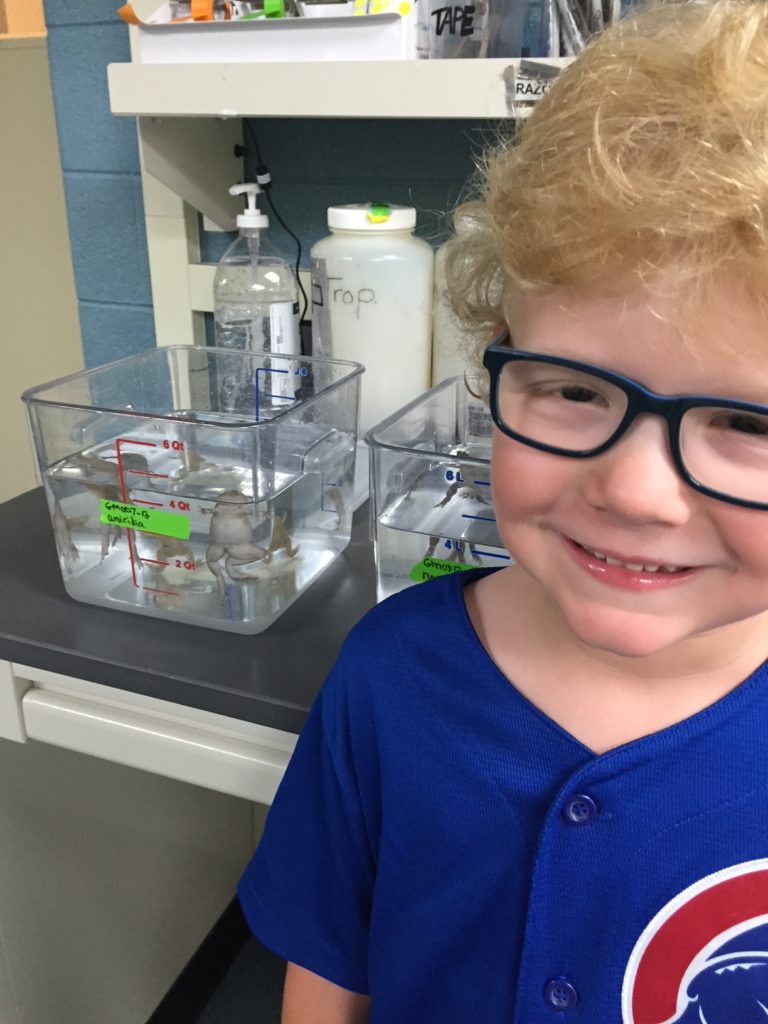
(39, 329)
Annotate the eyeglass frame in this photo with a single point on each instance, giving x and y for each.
(640, 400)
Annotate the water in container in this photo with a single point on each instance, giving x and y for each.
(173, 497)
(432, 510)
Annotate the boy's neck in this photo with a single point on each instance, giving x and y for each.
(602, 699)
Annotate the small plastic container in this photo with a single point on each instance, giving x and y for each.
(175, 497)
(452, 31)
(431, 508)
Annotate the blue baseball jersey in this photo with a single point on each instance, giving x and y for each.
(440, 843)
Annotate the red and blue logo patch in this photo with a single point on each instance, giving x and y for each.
(703, 959)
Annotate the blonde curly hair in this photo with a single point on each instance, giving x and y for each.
(646, 164)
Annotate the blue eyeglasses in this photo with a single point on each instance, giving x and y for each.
(719, 445)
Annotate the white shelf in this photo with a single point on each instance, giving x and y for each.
(391, 88)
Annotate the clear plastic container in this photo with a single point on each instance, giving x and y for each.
(175, 497)
(521, 28)
(431, 508)
(446, 31)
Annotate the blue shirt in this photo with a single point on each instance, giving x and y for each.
(441, 844)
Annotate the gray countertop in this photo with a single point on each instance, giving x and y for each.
(270, 679)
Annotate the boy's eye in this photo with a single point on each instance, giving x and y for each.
(571, 391)
(577, 393)
(742, 422)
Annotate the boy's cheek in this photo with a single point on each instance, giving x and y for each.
(745, 532)
(522, 478)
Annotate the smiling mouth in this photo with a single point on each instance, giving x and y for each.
(668, 570)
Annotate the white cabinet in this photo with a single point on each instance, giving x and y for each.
(110, 877)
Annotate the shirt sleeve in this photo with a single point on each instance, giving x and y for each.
(307, 892)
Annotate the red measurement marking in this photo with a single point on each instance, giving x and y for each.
(132, 553)
(140, 472)
(170, 593)
(154, 561)
(140, 501)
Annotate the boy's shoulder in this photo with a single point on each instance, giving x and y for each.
(406, 646)
(419, 613)
(419, 632)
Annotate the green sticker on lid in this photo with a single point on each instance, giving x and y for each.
(378, 213)
(150, 520)
(431, 568)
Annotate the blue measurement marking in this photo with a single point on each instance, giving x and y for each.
(493, 554)
(484, 519)
(324, 484)
(267, 394)
(482, 483)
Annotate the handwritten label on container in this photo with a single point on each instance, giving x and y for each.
(431, 568)
(131, 517)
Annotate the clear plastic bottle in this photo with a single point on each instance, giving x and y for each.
(255, 294)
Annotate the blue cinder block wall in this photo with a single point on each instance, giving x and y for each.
(102, 184)
(314, 163)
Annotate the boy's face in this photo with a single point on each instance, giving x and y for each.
(629, 503)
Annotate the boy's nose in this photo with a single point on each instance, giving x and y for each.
(638, 479)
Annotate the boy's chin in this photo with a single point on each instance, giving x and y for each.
(625, 636)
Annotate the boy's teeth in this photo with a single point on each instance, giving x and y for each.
(634, 566)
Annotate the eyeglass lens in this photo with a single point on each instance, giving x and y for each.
(724, 449)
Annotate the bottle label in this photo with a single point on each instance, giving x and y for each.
(131, 517)
(284, 340)
(321, 310)
(431, 568)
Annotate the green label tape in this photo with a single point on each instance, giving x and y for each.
(378, 213)
(431, 568)
(151, 520)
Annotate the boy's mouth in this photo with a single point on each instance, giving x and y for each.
(634, 566)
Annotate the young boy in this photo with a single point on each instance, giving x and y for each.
(541, 793)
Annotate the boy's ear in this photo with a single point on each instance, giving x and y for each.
(500, 335)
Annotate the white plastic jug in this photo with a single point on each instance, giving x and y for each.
(372, 284)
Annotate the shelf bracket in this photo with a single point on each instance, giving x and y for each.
(195, 158)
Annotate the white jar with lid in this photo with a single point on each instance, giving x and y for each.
(372, 283)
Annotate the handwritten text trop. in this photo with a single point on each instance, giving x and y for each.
(347, 297)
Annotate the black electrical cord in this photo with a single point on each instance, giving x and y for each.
(264, 180)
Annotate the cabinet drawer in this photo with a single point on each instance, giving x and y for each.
(224, 754)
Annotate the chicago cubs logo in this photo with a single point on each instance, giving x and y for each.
(703, 959)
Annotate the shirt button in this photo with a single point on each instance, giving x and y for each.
(561, 994)
(580, 810)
